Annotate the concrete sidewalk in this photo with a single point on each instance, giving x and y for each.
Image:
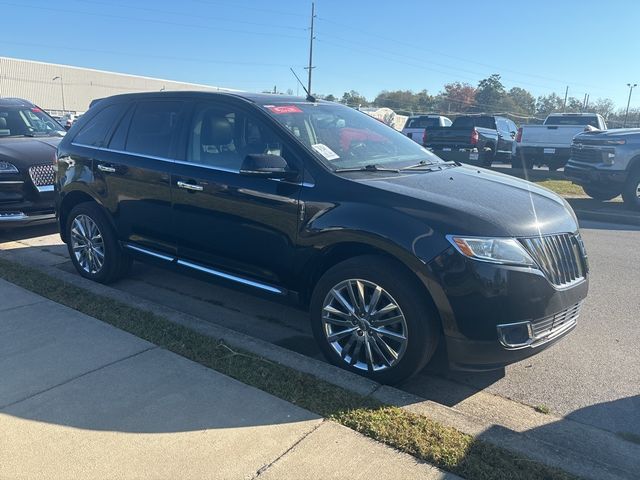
(81, 399)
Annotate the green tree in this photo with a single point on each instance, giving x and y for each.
(547, 104)
(522, 101)
(354, 99)
(574, 105)
(490, 94)
(603, 106)
(405, 101)
(330, 98)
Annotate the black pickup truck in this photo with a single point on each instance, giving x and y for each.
(477, 139)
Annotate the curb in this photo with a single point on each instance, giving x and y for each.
(576, 448)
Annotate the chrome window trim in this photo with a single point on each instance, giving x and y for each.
(180, 162)
(11, 182)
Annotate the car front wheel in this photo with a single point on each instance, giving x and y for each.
(370, 317)
(93, 246)
(631, 192)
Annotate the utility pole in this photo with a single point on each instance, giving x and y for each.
(61, 91)
(311, 38)
(631, 87)
(566, 93)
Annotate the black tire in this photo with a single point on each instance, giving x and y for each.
(600, 193)
(115, 262)
(421, 327)
(631, 191)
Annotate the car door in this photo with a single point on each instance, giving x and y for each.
(135, 170)
(233, 226)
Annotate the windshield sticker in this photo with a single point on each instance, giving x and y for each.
(282, 109)
(325, 151)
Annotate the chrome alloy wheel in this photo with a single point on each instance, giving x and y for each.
(638, 190)
(87, 244)
(364, 325)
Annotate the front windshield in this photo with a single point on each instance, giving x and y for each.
(30, 122)
(346, 138)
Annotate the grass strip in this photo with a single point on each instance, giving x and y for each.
(562, 187)
(442, 446)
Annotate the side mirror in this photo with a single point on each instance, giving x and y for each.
(266, 166)
(513, 134)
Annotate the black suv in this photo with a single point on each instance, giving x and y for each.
(392, 249)
(28, 141)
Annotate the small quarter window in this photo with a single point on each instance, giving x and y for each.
(95, 132)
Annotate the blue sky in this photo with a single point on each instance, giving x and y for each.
(367, 46)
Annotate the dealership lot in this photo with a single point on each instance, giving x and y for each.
(590, 377)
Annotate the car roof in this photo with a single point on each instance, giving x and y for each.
(258, 98)
(571, 114)
(15, 102)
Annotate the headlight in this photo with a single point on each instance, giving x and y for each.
(495, 250)
(6, 167)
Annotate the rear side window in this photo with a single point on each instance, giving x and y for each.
(95, 132)
(153, 126)
(424, 122)
(469, 122)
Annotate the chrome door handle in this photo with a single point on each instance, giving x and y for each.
(190, 186)
(106, 168)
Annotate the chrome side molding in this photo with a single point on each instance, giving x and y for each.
(210, 271)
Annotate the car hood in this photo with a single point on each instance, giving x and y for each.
(475, 201)
(616, 132)
(24, 152)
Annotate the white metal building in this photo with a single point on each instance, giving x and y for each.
(58, 88)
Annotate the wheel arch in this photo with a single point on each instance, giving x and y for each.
(70, 200)
(339, 252)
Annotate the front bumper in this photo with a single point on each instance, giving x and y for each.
(17, 218)
(480, 301)
(584, 174)
(24, 203)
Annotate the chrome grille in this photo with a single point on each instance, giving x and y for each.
(42, 175)
(548, 325)
(561, 257)
(586, 155)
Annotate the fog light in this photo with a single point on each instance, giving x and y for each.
(609, 159)
(515, 335)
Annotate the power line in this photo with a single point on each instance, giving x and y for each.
(422, 48)
(141, 55)
(182, 14)
(149, 20)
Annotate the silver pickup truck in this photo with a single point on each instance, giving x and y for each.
(607, 164)
(550, 143)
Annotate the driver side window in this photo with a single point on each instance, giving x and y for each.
(221, 137)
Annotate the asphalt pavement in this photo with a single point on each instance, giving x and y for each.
(592, 376)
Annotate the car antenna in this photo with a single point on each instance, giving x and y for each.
(310, 98)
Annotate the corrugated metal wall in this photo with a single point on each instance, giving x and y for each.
(33, 81)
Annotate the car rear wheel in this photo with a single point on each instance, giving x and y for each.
(600, 193)
(93, 246)
(631, 192)
(370, 317)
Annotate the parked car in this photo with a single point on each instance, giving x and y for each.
(417, 126)
(391, 249)
(68, 119)
(550, 143)
(474, 139)
(607, 164)
(28, 140)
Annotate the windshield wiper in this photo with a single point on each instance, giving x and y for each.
(367, 168)
(429, 165)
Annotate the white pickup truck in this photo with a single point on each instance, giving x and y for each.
(550, 143)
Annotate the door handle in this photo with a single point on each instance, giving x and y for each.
(106, 168)
(190, 186)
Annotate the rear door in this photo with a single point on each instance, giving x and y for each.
(233, 226)
(135, 171)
